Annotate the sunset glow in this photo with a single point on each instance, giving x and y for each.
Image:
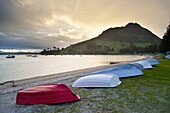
(73, 21)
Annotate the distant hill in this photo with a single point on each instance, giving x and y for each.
(128, 39)
(132, 32)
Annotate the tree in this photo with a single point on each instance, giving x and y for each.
(165, 43)
(44, 50)
(54, 48)
(48, 49)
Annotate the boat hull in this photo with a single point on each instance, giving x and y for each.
(145, 64)
(167, 57)
(10, 56)
(152, 61)
(98, 81)
(46, 94)
(122, 71)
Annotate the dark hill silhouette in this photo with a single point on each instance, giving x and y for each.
(128, 39)
(132, 32)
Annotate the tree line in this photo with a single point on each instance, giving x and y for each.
(154, 48)
(132, 49)
(52, 51)
(90, 49)
(165, 44)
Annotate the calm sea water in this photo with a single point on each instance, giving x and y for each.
(22, 67)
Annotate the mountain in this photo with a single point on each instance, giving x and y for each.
(130, 38)
(132, 32)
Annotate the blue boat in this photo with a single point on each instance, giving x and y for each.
(145, 63)
(139, 66)
(168, 55)
(123, 70)
(152, 61)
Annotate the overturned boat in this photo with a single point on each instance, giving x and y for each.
(46, 94)
(168, 55)
(145, 64)
(98, 80)
(152, 61)
(123, 70)
(139, 66)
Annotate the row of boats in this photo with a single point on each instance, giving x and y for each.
(110, 77)
(106, 77)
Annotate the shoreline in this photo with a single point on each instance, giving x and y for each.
(65, 78)
(8, 93)
(22, 67)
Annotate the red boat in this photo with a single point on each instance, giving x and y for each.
(46, 94)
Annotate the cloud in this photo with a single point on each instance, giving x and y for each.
(2, 34)
(35, 40)
(78, 20)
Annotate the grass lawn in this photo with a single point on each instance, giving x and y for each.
(149, 93)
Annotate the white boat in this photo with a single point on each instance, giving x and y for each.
(97, 80)
(145, 64)
(123, 70)
(34, 56)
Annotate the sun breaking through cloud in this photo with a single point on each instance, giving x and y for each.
(63, 22)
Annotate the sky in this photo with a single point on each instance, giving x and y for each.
(48, 23)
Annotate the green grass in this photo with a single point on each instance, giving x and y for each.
(149, 93)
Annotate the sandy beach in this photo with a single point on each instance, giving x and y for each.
(8, 93)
